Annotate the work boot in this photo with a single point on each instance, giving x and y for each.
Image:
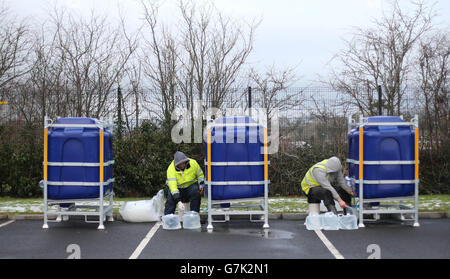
(332, 208)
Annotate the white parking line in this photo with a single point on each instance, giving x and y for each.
(145, 241)
(7, 223)
(329, 245)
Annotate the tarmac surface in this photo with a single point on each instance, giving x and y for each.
(237, 239)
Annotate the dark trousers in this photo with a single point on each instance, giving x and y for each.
(318, 193)
(189, 194)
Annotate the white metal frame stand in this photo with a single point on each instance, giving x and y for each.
(389, 208)
(101, 210)
(254, 206)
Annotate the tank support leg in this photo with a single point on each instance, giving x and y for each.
(210, 226)
(101, 210)
(110, 216)
(45, 226)
(266, 205)
(361, 204)
(416, 203)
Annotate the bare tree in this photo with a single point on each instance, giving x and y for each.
(14, 49)
(47, 76)
(92, 54)
(216, 49)
(197, 58)
(160, 62)
(195, 41)
(71, 66)
(272, 89)
(433, 76)
(14, 46)
(134, 74)
(381, 55)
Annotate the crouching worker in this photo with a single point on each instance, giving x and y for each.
(317, 186)
(186, 184)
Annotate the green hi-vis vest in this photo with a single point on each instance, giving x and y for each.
(182, 179)
(309, 181)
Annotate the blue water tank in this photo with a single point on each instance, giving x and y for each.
(237, 158)
(78, 145)
(393, 144)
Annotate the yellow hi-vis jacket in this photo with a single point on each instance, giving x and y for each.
(182, 179)
(309, 181)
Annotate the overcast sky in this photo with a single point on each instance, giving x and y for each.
(293, 32)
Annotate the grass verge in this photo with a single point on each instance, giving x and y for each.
(427, 203)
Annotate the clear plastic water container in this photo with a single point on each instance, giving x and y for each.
(171, 222)
(347, 222)
(191, 220)
(313, 222)
(329, 221)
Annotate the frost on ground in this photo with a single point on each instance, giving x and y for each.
(38, 206)
(276, 205)
(291, 205)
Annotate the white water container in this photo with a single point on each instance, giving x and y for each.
(171, 222)
(329, 221)
(191, 220)
(313, 222)
(347, 222)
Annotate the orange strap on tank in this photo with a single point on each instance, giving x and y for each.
(101, 155)
(266, 171)
(361, 151)
(416, 151)
(209, 155)
(45, 153)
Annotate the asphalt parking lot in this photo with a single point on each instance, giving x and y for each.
(237, 239)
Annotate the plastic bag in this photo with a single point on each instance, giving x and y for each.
(143, 211)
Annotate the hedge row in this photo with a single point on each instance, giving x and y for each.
(141, 159)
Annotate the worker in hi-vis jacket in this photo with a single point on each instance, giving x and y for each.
(185, 180)
(317, 186)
